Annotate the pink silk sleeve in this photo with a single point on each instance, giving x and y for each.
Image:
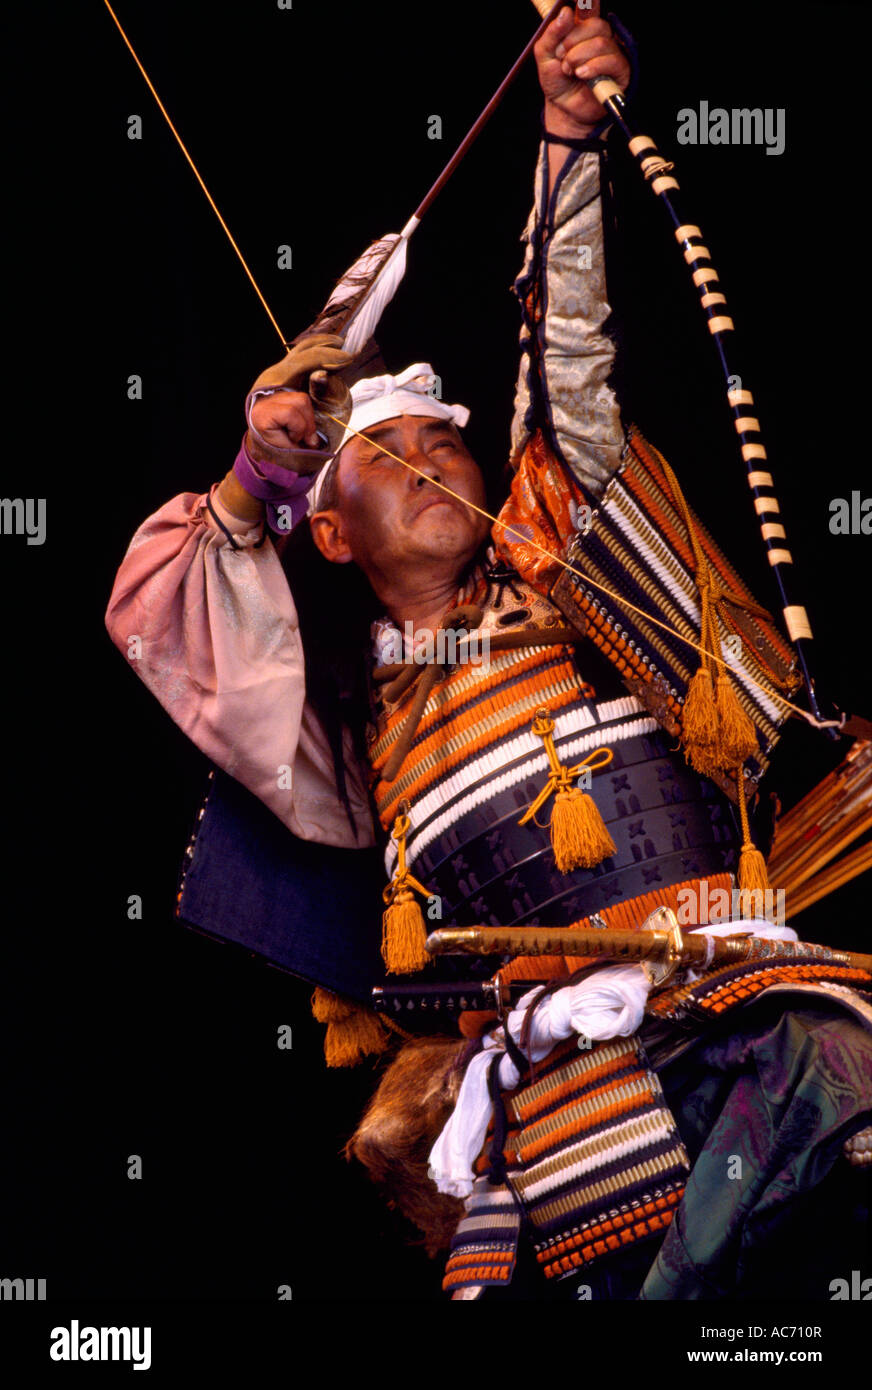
(219, 645)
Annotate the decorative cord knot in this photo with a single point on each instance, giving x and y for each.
(403, 931)
(705, 580)
(579, 836)
(543, 724)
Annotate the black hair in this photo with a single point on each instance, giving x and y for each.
(336, 607)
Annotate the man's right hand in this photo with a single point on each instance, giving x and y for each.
(284, 421)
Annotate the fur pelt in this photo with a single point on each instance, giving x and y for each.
(399, 1128)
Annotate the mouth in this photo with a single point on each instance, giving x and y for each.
(435, 502)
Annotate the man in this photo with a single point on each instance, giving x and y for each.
(575, 1136)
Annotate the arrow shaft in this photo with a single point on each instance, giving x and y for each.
(475, 130)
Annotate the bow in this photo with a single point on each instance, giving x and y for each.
(356, 304)
(659, 175)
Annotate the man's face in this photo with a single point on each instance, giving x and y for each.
(389, 517)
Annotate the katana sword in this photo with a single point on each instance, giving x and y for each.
(662, 945)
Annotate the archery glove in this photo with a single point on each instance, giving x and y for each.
(312, 364)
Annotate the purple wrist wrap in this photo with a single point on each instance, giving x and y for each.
(270, 482)
(277, 487)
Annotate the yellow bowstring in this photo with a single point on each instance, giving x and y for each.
(196, 171)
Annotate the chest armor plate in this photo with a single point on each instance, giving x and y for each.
(475, 765)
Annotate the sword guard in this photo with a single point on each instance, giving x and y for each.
(664, 923)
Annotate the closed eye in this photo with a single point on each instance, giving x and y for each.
(447, 442)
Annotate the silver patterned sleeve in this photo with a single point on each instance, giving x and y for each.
(566, 357)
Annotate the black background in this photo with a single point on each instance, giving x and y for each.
(309, 127)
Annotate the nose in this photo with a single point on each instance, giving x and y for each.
(423, 464)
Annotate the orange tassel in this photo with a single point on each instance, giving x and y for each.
(328, 1007)
(579, 836)
(403, 935)
(752, 870)
(717, 734)
(752, 866)
(736, 737)
(699, 723)
(353, 1032)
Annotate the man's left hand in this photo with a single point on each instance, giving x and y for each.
(571, 108)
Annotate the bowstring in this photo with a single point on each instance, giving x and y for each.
(213, 205)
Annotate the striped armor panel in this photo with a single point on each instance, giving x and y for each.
(592, 1155)
(484, 1247)
(475, 765)
(637, 543)
(726, 987)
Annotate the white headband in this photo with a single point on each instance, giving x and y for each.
(381, 398)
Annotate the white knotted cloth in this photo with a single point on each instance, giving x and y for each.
(378, 398)
(607, 1004)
